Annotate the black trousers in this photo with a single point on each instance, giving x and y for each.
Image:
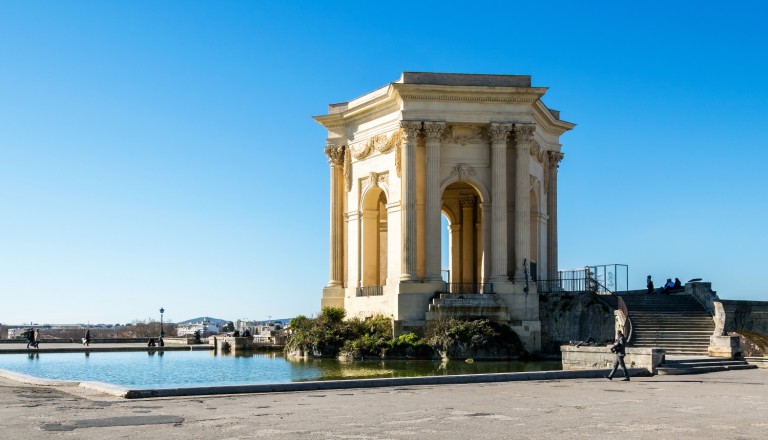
(619, 361)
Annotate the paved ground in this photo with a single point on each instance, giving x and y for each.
(727, 405)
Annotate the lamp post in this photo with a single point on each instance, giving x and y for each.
(162, 333)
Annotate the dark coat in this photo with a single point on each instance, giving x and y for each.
(619, 346)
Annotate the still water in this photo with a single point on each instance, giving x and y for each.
(175, 369)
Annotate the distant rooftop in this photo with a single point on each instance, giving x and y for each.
(465, 79)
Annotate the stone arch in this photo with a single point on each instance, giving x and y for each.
(374, 237)
(462, 204)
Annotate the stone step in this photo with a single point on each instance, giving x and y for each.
(665, 369)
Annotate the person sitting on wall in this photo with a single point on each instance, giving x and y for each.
(236, 333)
(649, 283)
(668, 286)
(247, 333)
(678, 285)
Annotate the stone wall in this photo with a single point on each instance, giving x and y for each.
(591, 358)
(569, 317)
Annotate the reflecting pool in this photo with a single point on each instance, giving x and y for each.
(175, 369)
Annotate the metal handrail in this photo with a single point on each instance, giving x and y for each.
(469, 288)
(370, 291)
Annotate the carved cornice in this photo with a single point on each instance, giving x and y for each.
(465, 134)
(335, 154)
(516, 100)
(499, 132)
(434, 131)
(463, 171)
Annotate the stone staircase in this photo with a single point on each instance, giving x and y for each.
(676, 322)
(696, 365)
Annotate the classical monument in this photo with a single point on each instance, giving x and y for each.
(482, 150)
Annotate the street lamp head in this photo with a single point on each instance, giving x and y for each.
(162, 310)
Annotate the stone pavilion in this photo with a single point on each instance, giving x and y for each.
(481, 150)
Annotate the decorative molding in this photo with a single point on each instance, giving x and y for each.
(463, 171)
(465, 134)
(434, 131)
(335, 154)
(499, 132)
(348, 169)
(398, 158)
(529, 99)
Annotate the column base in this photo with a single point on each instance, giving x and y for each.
(333, 297)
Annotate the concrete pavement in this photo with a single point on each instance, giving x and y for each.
(731, 405)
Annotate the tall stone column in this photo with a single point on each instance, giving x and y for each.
(523, 141)
(434, 132)
(499, 134)
(408, 170)
(335, 155)
(553, 164)
(455, 253)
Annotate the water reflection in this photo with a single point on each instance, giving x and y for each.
(200, 368)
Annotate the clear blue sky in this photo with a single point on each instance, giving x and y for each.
(145, 146)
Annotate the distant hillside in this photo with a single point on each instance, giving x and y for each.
(215, 321)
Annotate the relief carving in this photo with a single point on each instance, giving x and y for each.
(380, 143)
(462, 171)
(465, 134)
(348, 169)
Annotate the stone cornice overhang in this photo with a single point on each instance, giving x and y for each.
(397, 95)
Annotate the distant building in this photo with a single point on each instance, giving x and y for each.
(206, 328)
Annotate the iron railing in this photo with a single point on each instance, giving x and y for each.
(603, 279)
(469, 288)
(370, 291)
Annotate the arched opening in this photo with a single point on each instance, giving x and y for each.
(462, 246)
(535, 237)
(374, 238)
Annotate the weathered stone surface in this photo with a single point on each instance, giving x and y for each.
(566, 317)
(587, 358)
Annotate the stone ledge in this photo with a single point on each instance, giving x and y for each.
(591, 357)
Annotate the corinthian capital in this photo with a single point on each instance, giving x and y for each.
(410, 129)
(335, 154)
(554, 158)
(499, 132)
(434, 131)
(524, 133)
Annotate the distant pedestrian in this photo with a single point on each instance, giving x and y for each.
(37, 338)
(30, 335)
(87, 338)
(649, 284)
(151, 342)
(618, 347)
